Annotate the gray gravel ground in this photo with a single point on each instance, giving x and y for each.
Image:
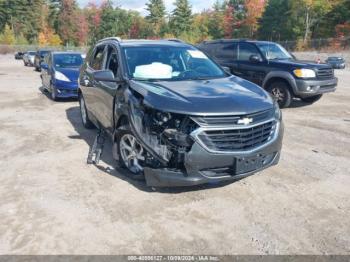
(53, 203)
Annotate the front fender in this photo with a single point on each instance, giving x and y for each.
(281, 74)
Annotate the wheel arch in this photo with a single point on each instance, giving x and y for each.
(281, 76)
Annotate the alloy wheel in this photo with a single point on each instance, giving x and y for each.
(132, 153)
(278, 94)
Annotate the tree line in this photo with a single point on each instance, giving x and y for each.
(64, 22)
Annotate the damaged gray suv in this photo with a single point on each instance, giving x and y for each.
(175, 117)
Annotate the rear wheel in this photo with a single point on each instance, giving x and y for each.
(84, 114)
(311, 99)
(131, 153)
(279, 91)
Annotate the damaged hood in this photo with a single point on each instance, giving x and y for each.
(224, 96)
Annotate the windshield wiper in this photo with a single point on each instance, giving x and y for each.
(148, 79)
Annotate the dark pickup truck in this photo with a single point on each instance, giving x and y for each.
(175, 117)
(270, 66)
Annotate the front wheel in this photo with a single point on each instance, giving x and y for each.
(53, 93)
(131, 153)
(279, 91)
(311, 99)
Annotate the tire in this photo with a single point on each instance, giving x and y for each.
(53, 93)
(311, 99)
(280, 91)
(87, 123)
(135, 164)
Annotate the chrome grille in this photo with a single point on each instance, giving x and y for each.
(325, 73)
(238, 139)
(232, 120)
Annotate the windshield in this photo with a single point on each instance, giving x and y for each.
(170, 63)
(67, 60)
(273, 51)
(43, 53)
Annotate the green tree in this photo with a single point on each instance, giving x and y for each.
(310, 11)
(156, 16)
(8, 37)
(276, 22)
(216, 20)
(340, 14)
(181, 18)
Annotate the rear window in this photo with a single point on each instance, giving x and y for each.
(227, 51)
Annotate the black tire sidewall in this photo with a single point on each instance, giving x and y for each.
(88, 124)
(53, 92)
(283, 87)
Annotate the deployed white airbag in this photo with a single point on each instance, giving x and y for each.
(154, 70)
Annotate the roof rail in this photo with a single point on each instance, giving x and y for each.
(118, 39)
(174, 40)
(225, 40)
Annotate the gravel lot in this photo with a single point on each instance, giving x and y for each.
(53, 203)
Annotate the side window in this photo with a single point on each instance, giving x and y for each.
(96, 61)
(227, 51)
(112, 60)
(246, 50)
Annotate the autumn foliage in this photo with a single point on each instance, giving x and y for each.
(64, 22)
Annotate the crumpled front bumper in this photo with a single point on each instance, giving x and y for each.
(204, 167)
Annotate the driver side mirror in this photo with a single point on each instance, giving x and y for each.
(255, 59)
(105, 76)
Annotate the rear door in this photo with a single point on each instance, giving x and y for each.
(225, 54)
(87, 83)
(107, 90)
(253, 71)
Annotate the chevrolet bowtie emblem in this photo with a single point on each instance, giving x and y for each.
(245, 121)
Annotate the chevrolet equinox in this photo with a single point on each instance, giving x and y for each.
(176, 118)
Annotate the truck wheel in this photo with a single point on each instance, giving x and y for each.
(279, 91)
(131, 153)
(87, 123)
(311, 99)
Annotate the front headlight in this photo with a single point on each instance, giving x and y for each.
(278, 113)
(304, 73)
(60, 76)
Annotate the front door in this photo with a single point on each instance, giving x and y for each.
(249, 68)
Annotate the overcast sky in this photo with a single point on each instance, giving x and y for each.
(139, 5)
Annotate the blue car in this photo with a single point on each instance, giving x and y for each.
(60, 73)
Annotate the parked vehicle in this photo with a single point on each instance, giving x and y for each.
(60, 73)
(270, 66)
(19, 55)
(28, 58)
(175, 116)
(336, 62)
(39, 57)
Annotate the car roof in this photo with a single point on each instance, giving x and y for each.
(146, 42)
(65, 52)
(237, 41)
